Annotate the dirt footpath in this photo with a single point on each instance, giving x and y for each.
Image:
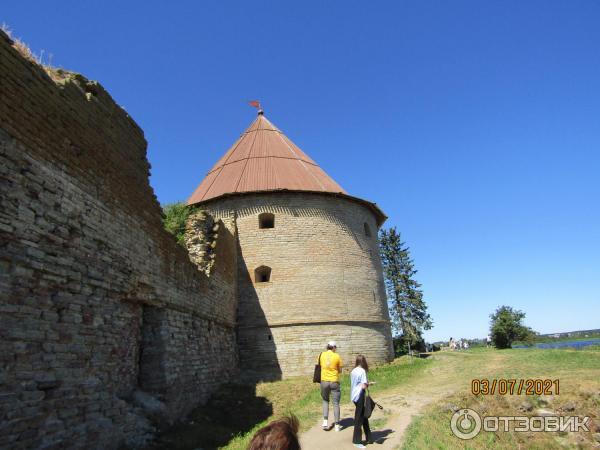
(399, 410)
(400, 406)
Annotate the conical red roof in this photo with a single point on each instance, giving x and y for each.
(263, 159)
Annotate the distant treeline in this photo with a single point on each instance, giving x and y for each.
(550, 337)
(572, 334)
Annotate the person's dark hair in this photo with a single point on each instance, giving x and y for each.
(280, 434)
(362, 362)
(330, 347)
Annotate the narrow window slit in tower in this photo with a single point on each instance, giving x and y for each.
(367, 229)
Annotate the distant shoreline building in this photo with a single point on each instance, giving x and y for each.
(308, 260)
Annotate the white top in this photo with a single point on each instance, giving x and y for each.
(358, 376)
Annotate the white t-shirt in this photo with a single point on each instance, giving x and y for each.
(358, 376)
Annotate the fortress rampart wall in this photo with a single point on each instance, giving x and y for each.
(105, 324)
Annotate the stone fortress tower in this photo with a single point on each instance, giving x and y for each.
(308, 259)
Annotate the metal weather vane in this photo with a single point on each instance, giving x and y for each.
(256, 104)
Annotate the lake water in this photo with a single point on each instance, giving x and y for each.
(563, 344)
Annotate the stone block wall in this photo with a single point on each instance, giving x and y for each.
(326, 281)
(105, 324)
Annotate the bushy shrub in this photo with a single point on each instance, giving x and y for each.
(175, 217)
(401, 346)
(507, 327)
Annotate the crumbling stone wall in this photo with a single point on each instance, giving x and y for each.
(201, 234)
(106, 327)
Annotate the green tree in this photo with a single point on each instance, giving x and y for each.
(175, 217)
(507, 327)
(408, 311)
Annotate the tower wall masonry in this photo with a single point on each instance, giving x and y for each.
(326, 282)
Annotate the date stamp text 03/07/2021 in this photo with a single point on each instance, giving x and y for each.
(512, 386)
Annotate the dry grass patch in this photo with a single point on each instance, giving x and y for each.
(579, 374)
(57, 74)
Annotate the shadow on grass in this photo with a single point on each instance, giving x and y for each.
(231, 410)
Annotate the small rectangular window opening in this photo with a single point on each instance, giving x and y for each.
(262, 274)
(266, 220)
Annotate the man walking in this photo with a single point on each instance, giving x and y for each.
(331, 367)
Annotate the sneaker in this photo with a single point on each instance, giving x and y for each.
(325, 426)
(338, 427)
(360, 446)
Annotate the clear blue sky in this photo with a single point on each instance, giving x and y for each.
(474, 125)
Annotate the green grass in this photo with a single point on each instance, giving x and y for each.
(528, 361)
(579, 375)
(307, 404)
(441, 383)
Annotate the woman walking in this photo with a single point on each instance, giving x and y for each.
(358, 386)
(331, 367)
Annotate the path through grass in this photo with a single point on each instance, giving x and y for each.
(302, 397)
(579, 375)
(420, 398)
